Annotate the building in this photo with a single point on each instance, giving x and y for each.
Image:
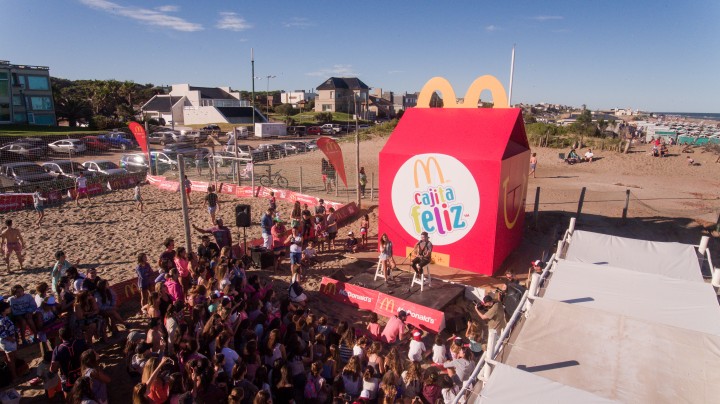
(343, 94)
(297, 98)
(26, 95)
(188, 105)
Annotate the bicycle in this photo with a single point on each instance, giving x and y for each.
(274, 178)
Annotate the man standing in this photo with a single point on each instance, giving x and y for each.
(13, 242)
(222, 234)
(212, 203)
(494, 315)
(66, 359)
(395, 328)
(59, 269)
(320, 209)
(421, 253)
(207, 248)
(81, 188)
(533, 164)
(38, 204)
(266, 224)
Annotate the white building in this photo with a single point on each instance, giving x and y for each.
(297, 96)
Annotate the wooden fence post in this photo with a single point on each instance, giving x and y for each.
(580, 203)
(627, 205)
(537, 206)
(301, 188)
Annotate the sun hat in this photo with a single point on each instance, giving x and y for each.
(417, 335)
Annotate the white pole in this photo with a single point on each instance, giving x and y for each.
(534, 284)
(512, 72)
(492, 338)
(571, 228)
(703, 244)
(183, 202)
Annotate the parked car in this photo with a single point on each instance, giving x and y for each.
(66, 168)
(65, 146)
(271, 150)
(134, 163)
(184, 148)
(119, 140)
(333, 127)
(311, 145)
(327, 131)
(95, 144)
(222, 158)
(22, 174)
(105, 167)
(297, 130)
(165, 160)
(194, 136)
(26, 150)
(34, 142)
(212, 128)
(314, 130)
(161, 138)
(363, 126)
(294, 147)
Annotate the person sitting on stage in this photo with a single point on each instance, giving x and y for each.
(421, 253)
(386, 256)
(351, 245)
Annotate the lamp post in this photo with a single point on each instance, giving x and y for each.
(172, 115)
(357, 157)
(252, 97)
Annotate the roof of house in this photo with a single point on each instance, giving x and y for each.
(213, 93)
(160, 103)
(380, 101)
(350, 83)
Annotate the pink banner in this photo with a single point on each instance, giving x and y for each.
(420, 316)
(140, 135)
(341, 292)
(334, 153)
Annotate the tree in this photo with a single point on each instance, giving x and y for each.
(324, 117)
(72, 110)
(285, 109)
(400, 114)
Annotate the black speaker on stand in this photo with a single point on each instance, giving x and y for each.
(242, 219)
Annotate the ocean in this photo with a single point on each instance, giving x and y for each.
(694, 115)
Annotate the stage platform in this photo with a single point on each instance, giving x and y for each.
(437, 296)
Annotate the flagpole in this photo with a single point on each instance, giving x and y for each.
(512, 72)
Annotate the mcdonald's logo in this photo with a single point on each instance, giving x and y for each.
(518, 207)
(131, 290)
(426, 169)
(329, 289)
(472, 96)
(332, 146)
(388, 305)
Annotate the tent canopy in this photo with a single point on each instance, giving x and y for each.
(673, 260)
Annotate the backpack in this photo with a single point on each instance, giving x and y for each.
(310, 388)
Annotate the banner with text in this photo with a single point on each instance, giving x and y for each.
(420, 316)
(354, 295)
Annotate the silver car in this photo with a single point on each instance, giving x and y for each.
(105, 167)
(68, 146)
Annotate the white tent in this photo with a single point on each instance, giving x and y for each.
(673, 260)
(655, 298)
(511, 385)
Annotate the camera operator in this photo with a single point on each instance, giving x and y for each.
(493, 312)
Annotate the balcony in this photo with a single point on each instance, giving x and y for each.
(223, 103)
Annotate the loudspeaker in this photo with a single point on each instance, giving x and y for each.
(261, 258)
(242, 215)
(513, 295)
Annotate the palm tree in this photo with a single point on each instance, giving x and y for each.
(72, 109)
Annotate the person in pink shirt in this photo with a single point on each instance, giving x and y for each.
(395, 328)
(174, 288)
(373, 327)
(181, 263)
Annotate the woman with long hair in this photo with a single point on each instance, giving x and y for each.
(296, 215)
(370, 383)
(107, 300)
(82, 393)
(351, 377)
(87, 315)
(386, 256)
(273, 349)
(375, 359)
(98, 378)
(284, 390)
(182, 264)
(157, 391)
(412, 379)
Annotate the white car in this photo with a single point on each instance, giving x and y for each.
(68, 146)
(106, 167)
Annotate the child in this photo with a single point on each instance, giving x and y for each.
(138, 198)
(8, 343)
(364, 226)
(273, 202)
(351, 245)
(373, 327)
(309, 256)
(439, 352)
(474, 335)
(320, 233)
(690, 161)
(188, 187)
(416, 350)
(295, 258)
(38, 203)
(51, 380)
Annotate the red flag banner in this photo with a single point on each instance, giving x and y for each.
(334, 154)
(140, 135)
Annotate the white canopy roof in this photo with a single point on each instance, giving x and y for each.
(655, 298)
(674, 260)
(511, 385)
(616, 356)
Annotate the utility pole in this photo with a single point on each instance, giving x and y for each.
(183, 201)
(252, 99)
(357, 159)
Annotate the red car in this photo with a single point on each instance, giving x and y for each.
(314, 130)
(95, 144)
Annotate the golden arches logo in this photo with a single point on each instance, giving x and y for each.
(426, 169)
(388, 304)
(328, 289)
(511, 223)
(472, 96)
(131, 290)
(332, 145)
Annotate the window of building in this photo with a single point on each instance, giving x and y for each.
(5, 112)
(332, 94)
(327, 107)
(44, 120)
(4, 85)
(17, 101)
(41, 103)
(38, 83)
(19, 117)
(18, 80)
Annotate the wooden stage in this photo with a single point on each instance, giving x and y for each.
(437, 296)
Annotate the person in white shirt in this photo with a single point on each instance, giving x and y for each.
(417, 351)
(439, 351)
(138, 197)
(309, 256)
(589, 155)
(81, 188)
(38, 204)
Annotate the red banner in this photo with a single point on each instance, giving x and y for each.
(334, 154)
(341, 292)
(140, 135)
(420, 316)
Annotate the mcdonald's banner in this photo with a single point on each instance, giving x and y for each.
(458, 173)
(334, 154)
(140, 135)
(354, 295)
(420, 316)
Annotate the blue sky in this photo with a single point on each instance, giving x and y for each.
(653, 55)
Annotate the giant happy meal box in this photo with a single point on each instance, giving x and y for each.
(460, 174)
